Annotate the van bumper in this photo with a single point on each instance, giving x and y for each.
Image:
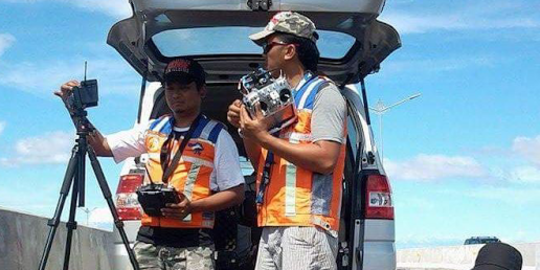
(379, 245)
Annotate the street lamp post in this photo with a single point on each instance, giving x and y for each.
(380, 109)
(87, 211)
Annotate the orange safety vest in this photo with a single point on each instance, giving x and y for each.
(296, 196)
(191, 176)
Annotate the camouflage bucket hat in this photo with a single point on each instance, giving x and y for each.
(290, 23)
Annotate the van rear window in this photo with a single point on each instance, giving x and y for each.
(234, 40)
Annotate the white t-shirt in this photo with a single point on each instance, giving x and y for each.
(226, 174)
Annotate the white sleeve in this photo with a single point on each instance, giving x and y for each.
(227, 172)
(128, 143)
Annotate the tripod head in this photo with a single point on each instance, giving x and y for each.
(81, 123)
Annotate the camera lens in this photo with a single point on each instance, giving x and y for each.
(264, 107)
(285, 95)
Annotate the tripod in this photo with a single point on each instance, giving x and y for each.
(75, 174)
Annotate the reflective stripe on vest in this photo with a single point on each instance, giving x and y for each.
(290, 190)
(190, 184)
(312, 85)
(295, 138)
(196, 164)
(160, 123)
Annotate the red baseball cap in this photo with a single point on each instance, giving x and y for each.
(184, 70)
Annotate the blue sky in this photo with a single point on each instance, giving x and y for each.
(464, 158)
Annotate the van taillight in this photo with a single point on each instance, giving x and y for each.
(379, 198)
(127, 204)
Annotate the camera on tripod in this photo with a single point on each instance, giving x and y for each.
(84, 96)
(274, 97)
(76, 102)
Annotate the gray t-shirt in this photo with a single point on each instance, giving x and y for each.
(328, 116)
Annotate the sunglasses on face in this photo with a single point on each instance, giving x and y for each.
(268, 46)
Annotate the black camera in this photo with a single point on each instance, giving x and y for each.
(84, 96)
(153, 197)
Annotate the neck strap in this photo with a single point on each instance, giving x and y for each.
(169, 167)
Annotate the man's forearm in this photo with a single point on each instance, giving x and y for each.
(320, 157)
(99, 144)
(220, 200)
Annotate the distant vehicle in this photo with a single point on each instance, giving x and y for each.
(214, 32)
(477, 240)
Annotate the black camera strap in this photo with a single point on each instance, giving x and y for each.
(169, 167)
(267, 170)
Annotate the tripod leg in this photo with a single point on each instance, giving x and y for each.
(81, 170)
(55, 220)
(108, 197)
(71, 224)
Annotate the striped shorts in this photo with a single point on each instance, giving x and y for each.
(298, 248)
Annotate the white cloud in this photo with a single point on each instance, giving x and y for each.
(524, 150)
(486, 15)
(435, 167)
(525, 174)
(6, 40)
(114, 8)
(413, 202)
(101, 218)
(437, 65)
(510, 196)
(2, 126)
(413, 240)
(100, 215)
(51, 148)
(114, 75)
(520, 236)
(417, 24)
(529, 148)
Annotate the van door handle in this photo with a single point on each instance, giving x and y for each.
(358, 256)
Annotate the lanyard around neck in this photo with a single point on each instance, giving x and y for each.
(165, 155)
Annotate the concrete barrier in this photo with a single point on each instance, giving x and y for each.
(23, 236)
(460, 257)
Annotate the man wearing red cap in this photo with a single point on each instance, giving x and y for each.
(207, 176)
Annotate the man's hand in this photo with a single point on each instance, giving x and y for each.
(96, 140)
(256, 127)
(233, 115)
(66, 89)
(177, 211)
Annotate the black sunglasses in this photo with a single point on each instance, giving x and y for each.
(268, 46)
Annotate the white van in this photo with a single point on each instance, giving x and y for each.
(215, 33)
